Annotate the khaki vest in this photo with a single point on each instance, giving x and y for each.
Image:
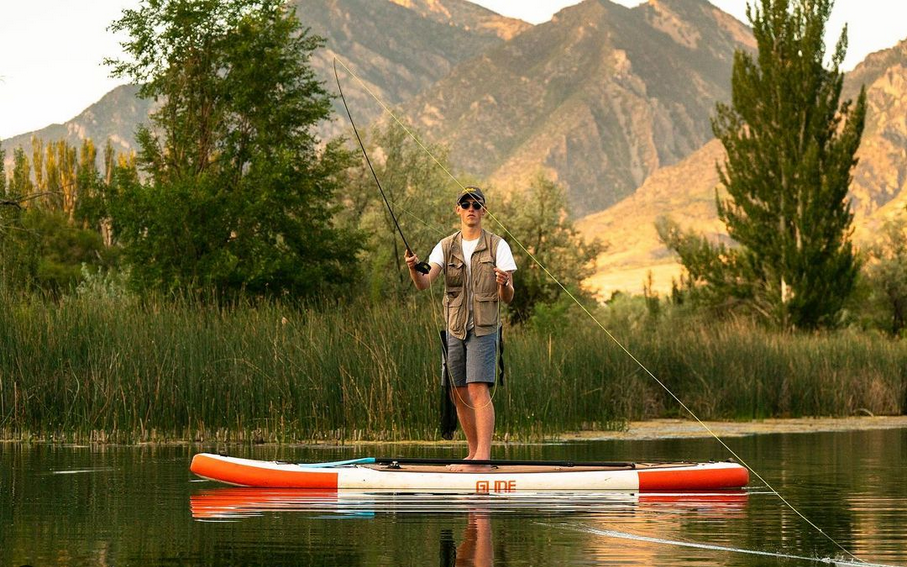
(482, 290)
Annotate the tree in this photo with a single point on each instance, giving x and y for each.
(886, 271)
(2, 170)
(42, 244)
(790, 153)
(537, 219)
(239, 196)
(20, 184)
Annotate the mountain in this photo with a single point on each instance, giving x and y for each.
(599, 97)
(114, 117)
(686, 191)
(466, 15)
(879, 179)
(397, 47)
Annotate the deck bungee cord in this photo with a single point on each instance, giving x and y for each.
(585, 310)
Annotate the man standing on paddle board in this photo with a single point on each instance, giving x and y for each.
(478, 271)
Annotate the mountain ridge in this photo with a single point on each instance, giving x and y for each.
(367, 35)
(611, 97)
(686, 191)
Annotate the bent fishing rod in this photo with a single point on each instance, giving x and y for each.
(421, 267)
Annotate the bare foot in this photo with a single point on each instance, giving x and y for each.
(456, 467)
(465, 467)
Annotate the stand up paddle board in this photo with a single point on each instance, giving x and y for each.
(485, 477)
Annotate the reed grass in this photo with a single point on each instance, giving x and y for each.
(115, 369)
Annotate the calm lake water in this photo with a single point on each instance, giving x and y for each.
(140, 506)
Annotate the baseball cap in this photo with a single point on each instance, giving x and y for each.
(473, 192)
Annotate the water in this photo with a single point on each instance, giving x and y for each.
(140, 506)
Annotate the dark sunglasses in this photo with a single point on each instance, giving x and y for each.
(476, 206)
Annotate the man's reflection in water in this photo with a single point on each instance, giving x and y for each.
(475, 550)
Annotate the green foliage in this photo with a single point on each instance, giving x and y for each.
(42, 248)
(713, 275)
(540, 225)
(422, 198)
(790, 152)
(886, 272)
(20, 184)
(104, 285)
(2, 170)
(187, 369)
(239, 195)
(45, 231)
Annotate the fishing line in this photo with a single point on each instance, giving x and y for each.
(598, 323)
(707, 546)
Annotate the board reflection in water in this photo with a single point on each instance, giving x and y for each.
(475, 545)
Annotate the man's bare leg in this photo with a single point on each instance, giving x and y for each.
(467, 417)
(476, 549)
(483, 414)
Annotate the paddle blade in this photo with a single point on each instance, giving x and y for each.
(364, 461)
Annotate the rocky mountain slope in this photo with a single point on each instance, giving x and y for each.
(686, 191)
(113, 118)
(397, 47)
(599, 97)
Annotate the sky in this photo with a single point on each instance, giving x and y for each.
(52, 50)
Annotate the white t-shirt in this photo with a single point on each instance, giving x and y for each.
(503, 261)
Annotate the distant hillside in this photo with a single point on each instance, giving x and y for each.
(599, 97)
(397, 47)
(686, 191)
(114, 117)
(879, 180)
(466, 15)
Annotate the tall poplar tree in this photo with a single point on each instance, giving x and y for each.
(20, 183)
(2, 170)
(790, 146)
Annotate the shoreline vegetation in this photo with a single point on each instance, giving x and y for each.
(108, 369)
(649, 430)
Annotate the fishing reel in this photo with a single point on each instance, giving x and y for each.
(423, 268)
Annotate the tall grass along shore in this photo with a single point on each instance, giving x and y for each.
(108, 369)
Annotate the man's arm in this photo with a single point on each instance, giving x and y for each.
(422, 281)
(505, 285)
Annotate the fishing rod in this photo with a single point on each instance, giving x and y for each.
(421, 267)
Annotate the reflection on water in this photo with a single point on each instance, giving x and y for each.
(235, 503)
(140, 506)
(475, 547)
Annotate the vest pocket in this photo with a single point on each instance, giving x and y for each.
(456, 319)
(485, 313)
(455, 273)
(484, 276)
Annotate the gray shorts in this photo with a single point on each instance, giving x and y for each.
(471, 360)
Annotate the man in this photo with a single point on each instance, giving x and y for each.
(478, 271)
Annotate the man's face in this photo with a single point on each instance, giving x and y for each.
(470, 211)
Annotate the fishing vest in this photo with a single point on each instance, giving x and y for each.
(481, 289)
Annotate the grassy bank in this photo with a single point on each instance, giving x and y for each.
(90, 368)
